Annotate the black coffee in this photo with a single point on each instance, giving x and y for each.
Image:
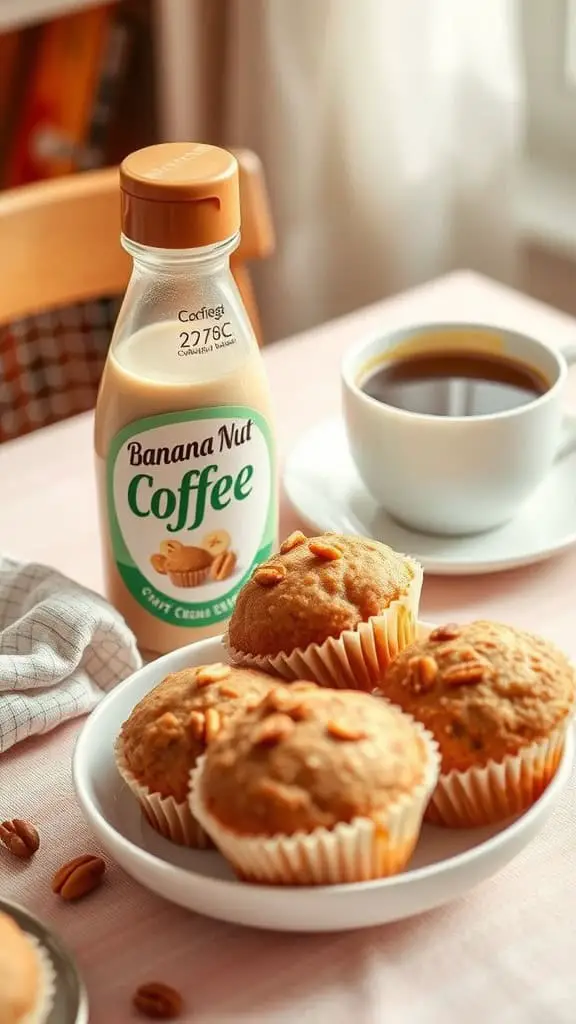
(455, 384)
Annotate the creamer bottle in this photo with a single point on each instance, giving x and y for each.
(184, 438)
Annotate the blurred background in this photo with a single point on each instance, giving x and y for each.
(399, 140)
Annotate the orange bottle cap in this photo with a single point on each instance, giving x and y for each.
(180, 195)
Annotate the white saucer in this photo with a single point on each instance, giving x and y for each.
(447, 862)
(323, 485)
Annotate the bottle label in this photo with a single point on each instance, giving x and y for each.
(192, 510)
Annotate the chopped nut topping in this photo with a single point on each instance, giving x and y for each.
(213, 724)
(451, 631)
(300, 712)
(462, 675)
(165, 729)
(228, 691)
(274, 729)
(212, 674)
(197, 724)
(278, 699)
(341, 731)
(270, 575)
(321, 548)
(292, 541)
(287, 796)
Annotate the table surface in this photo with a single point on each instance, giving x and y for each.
(504, 954)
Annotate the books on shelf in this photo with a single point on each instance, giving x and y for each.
(68, 99)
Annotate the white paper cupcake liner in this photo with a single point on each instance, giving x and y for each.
(358, 851)
(46, 986)
(171, 819)
(358, 658)
(484, 795)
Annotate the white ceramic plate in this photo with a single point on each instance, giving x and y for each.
(446, 863)
(323, 486)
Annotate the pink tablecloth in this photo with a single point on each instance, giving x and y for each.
(503, 955)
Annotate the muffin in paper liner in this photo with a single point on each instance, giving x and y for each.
(486, 795)
(355, 660)
(47, 985)
(187, 577)
(355, 851)
(171, 819)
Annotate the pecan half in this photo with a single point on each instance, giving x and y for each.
(20, 838)
(212, 674)
(213, 724)
(451, 631)
(79, 877)
(322, 549)
(340, 730)
(274, 729)
(197, 724)
(270, 575)
(228, 691)
(292, 541)
(424, 671)
(465, 674)
(157, 1001)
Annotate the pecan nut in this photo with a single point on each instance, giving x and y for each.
(451, 631)
(270, 575)
(157, 1001)
(20, 838)
(79, 877)
(197, 725)
(213, 723)
(424, 671)
(292, 541)
(467, 673)
(322, 549)
(274, 729)
(342, 731)
(212, 674)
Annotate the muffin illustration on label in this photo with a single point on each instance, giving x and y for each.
(189, 565)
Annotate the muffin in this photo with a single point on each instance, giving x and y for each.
(498, 701)
(315, 787)
(169, 729)
(186, 565)
(26, 976)
(332, 609)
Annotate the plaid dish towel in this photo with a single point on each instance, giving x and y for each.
(61, 648)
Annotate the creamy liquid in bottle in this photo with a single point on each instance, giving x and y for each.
(183, 436)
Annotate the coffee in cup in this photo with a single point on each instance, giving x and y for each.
(453, 426)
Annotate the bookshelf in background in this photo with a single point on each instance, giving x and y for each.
(71, 92)
(76, 93)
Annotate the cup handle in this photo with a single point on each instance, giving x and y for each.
(568, 439)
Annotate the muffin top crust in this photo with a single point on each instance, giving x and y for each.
(485, 690)
(173, 724)
(315, 588)
(309, 757)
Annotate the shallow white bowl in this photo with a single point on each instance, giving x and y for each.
(446, 864)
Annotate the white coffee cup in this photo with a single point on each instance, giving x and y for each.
(456, 475)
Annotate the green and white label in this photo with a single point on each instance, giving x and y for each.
(192, 510)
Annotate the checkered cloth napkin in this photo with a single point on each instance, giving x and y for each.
(61, 648)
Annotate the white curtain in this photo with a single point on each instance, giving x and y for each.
(389, 131)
